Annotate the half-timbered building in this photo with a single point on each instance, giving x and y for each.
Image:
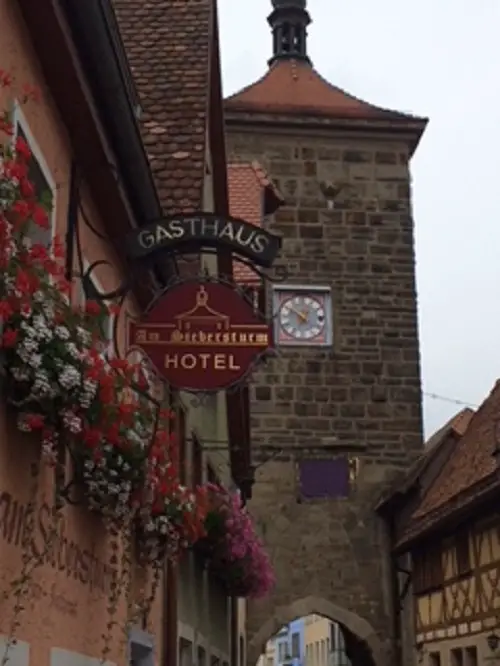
(447, 542)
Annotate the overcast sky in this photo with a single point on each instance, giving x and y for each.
(435, 58)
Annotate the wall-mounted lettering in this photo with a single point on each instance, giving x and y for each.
(79, 563)
(202, 336)
(195, 231)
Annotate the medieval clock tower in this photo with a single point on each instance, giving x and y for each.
(342, 401)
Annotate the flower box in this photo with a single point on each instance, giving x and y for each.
(233, 551)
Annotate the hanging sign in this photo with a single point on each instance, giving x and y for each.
(202, 336)
(198, 230)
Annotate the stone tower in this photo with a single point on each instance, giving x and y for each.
(347, 415)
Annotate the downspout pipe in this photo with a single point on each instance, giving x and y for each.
(395, 593)
(235, 632)
(72, 220)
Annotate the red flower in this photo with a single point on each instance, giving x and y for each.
(38, 252)
(106, 394)
(22, 209)
(93, 308)
(113, 434)
(9, 338)
(40, 217)
(6, 310)
(119, 364)
(5, 79)
(27, 188)
(114, 310)
(23, 282)
(15, 169)
(58, 248)
(22, 149)
(92, 437)
(6, 127)
(64, 286)
(35, 421)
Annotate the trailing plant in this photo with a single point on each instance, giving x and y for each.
(232, 548)
(172, 516)
(31, 559)
(18, 208)
(65, 388)
(57, 376)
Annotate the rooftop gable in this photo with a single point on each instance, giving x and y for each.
(466, 477)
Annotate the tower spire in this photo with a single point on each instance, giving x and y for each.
(289, 20)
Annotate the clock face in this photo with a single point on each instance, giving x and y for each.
(303, 317)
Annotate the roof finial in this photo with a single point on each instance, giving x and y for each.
(289, 20)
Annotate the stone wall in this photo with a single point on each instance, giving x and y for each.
(364, 392)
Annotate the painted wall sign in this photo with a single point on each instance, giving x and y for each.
(66, 556)
(206, 230)
(202, 336)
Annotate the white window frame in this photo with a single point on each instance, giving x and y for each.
(19, 120)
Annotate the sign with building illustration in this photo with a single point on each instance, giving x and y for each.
(202, 336)
(196, 231)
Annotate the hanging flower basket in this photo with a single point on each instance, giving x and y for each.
(233, 550)
(114, 436)
(171, 518)
(62, 385)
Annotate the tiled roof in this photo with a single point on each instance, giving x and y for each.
(294, 87)
(456, 426)
(467, 474)
(168, 44)
(248, 184)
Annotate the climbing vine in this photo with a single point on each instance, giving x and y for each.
(70, 396)
(65, 390)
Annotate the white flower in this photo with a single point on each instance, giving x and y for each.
(72, 422)
(69, 377)
(84, 336)
(72, 350)
(62, 332)
(20, 374)
(36, 361)
(41, 386)
(27, 349)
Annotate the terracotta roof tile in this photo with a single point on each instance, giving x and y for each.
(168, 45)
(294, 87)
(247, 188)
(467, 473)
(457, 425)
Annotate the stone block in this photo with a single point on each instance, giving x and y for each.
(364, 393)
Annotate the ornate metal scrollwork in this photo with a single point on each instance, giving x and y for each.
(138, 271)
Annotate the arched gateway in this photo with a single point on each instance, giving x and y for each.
(356, 626)
(338, 411)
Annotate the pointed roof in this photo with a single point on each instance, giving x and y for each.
(469, 476)
(292, 86)
(455, 428)
(252, 196)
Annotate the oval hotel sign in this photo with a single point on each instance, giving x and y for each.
(201, 336)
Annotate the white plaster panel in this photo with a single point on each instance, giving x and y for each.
(60, 657)
(19, 654)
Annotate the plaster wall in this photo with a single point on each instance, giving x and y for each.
(67, 605)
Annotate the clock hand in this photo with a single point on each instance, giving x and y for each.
(300, 315)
